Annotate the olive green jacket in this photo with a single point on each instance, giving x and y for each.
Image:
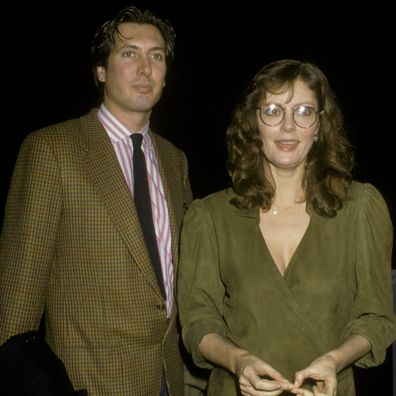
(338, 283)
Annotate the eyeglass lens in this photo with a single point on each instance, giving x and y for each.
(273, 114)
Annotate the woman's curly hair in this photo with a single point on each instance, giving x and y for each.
(329, 164)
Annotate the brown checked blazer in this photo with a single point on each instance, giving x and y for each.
(71, 247)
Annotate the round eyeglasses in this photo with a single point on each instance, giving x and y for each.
(273, 114)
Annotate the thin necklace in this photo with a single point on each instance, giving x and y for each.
(275, 211)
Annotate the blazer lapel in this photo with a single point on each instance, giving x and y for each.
(103, 168)
(168, 180)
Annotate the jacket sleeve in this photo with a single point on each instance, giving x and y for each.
(187, 192)
(27, 242)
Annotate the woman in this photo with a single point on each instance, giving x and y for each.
(285, 278)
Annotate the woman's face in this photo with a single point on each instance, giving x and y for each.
(287, 123)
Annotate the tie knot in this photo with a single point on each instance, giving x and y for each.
(137, 139)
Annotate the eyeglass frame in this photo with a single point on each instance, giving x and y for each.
(317, 114)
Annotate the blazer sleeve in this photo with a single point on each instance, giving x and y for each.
(27, 242)
(186, 186)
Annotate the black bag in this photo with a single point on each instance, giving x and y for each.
(28, 367)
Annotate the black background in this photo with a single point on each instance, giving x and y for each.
(46, 78)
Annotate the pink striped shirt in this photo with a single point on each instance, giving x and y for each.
(123, 147)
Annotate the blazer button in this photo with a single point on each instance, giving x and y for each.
(161, 307)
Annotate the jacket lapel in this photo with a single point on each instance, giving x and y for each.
(107, 177)
(167, 174)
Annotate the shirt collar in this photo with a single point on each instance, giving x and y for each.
(116, 130)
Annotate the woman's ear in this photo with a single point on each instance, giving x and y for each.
(101, 73)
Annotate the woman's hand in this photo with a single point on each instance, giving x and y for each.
(322, 370)
(305, 392)
(258, 378)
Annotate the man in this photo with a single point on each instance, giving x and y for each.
(72, 246)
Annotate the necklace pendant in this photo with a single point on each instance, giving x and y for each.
(274, 212)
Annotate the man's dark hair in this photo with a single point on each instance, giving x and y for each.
(106, 34)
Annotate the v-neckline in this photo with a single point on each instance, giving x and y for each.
(294, 255)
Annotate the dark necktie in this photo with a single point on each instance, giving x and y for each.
(141, 196)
